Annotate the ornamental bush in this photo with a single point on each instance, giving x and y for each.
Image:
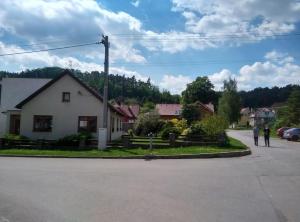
(147, 123)
(214, 125)
(167, 130)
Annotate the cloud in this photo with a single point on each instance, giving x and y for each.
(272, 72)
(36, 60)
(249, 20)
(175, 84)
(67, 22)
(135, 3)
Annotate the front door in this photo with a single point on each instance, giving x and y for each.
(14, 127)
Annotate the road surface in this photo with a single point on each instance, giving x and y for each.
(264, 186)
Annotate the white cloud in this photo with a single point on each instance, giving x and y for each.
(272, 72)
(278, 57)
(70, 22)
(36, 60)
(218, 78)
(175, 84)
(250, 20)
(135, 3)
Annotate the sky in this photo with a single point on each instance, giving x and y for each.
(257, 42)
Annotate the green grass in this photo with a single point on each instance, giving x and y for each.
(235, 145)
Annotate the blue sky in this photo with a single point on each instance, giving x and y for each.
(170, 41)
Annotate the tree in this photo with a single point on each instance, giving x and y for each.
(191, 112)
(294, 107)
(148, 123)
(230, 102)
(199, 90)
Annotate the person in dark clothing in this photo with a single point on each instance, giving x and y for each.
(255, 135)
(267, 136)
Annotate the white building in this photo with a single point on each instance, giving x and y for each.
(12, 92)
(262, 116)
(65, 106)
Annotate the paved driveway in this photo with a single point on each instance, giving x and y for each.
(262, 187)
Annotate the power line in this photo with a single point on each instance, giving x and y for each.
(50, 49)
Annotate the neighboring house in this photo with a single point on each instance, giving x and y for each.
(245, 116)
(262, 116)
(65, 106)
(172, 111)
(130, 112)
(169, 111)
(12, 92)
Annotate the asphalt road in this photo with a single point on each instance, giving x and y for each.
(262, 187)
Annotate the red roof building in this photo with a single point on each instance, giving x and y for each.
(130, 112)
(172, 111)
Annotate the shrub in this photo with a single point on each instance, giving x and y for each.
(196, 129)
(73, 140)
(181, 125)
(148, 122)
(130, 132)
(167, 130)
(15, 137)
(214, 125)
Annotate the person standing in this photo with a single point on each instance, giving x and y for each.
(255, 135)
(267, 135)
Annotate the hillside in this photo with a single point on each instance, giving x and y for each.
(121, 88)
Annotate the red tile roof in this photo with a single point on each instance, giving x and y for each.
(169, 109)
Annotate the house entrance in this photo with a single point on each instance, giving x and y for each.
(14, 127)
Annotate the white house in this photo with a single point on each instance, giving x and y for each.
(12, 92)
(64, 106)
(262, 116)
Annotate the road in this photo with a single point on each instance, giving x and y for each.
(264, 186)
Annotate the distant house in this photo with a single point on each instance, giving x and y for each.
(245, 116)
(261, 116)
(130, 115)
(130, 112)
(171, 111)
(12, 92)
(64, 106)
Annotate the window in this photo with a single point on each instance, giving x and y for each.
(66, 97)
(42, 123)
(112, 124)
(87, 124)
(117, 125)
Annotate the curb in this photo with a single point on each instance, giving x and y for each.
(149, 157)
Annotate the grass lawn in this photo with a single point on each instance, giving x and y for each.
(235, 145)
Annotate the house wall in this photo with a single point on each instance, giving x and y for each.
(13, 91)
(64, 115)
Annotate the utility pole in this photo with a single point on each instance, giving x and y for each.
(105, 42)
(103, 132)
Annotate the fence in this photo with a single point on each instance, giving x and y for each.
(181, 141)
(126, 141)
(46, 144)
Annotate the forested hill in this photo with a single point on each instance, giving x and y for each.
(123, 88)
(132, 90)
(265, 97)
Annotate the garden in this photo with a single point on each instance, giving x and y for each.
(150, 136)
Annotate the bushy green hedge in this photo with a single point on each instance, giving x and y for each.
(73, 140)
(210, 126)
(167, 130)
(148, 123)
(15, 137)
(214, 125)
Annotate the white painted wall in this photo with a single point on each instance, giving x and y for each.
(65, 115)
(15, 90)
